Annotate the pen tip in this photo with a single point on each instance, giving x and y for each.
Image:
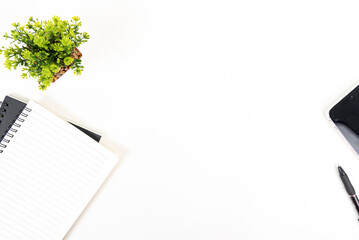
(341, 171)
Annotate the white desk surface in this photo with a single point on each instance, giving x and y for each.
(217, 111)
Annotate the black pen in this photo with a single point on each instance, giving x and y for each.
(349, 187)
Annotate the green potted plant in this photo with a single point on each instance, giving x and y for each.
(45, 49)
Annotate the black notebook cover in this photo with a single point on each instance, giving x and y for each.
(11, 109)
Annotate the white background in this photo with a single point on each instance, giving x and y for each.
(216, 110)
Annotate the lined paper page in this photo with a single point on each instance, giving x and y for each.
(48, 173)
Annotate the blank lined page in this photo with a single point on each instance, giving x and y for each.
(49, 172)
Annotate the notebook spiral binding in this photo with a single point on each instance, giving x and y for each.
(13, 128)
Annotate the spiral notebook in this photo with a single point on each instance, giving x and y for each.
(49, 171)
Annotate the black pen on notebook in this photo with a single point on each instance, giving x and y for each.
(349, 188)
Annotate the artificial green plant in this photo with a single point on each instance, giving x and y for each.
(42, 47)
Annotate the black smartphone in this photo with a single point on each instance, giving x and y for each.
(345, 116)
